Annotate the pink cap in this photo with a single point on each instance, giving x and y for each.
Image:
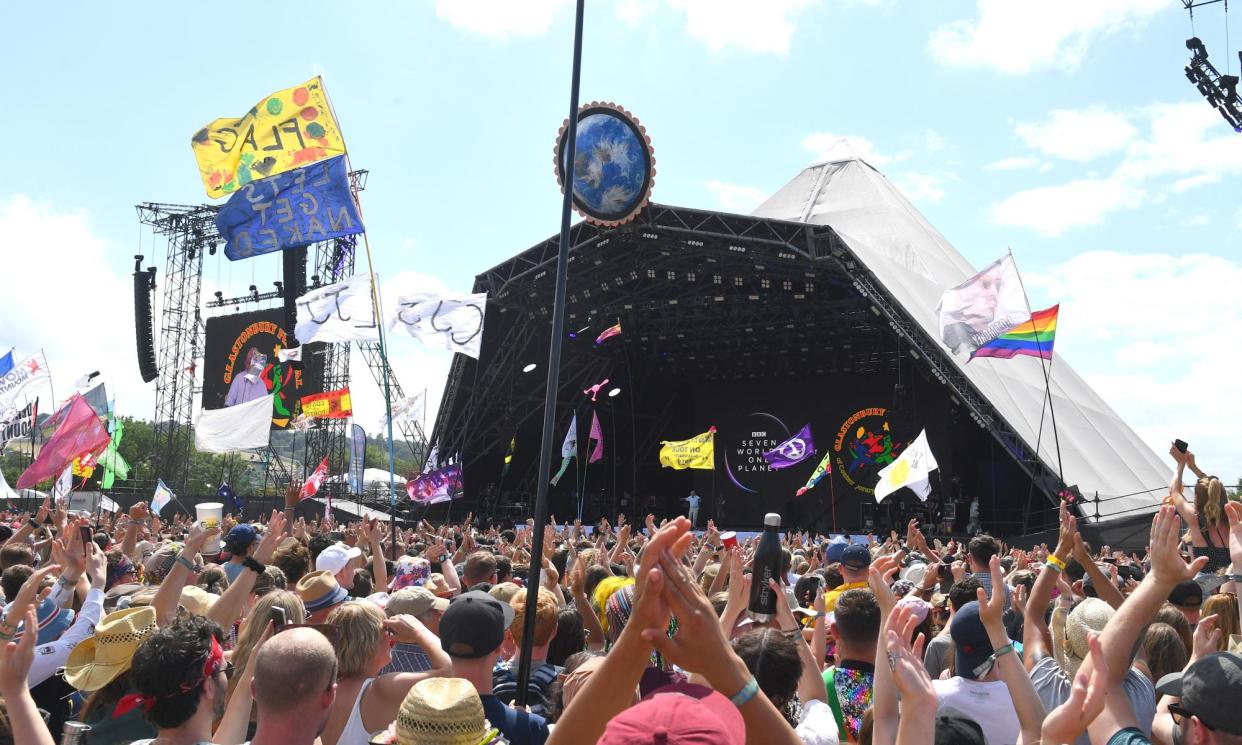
(679, 714)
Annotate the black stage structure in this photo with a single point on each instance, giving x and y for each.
(752, 325)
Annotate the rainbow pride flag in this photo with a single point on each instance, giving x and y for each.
(1033, 337)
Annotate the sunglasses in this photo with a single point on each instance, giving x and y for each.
(1179, 713)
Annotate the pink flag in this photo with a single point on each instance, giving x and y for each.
(597, 434)
(311, 487)
(78, 432)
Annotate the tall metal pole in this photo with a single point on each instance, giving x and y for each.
(554, 372)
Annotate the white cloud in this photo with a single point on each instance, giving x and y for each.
(1080, 135)
(1146, 331)
(1020, 37)
(1051, 210)
(1199, 219)
(1012, 164)
(829, 146)
(735, 197)
(766, 27)
(922, 188)
(933, 141)
(501, 19)
(1190, 182)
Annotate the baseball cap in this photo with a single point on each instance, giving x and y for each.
(240, 538)
(414, 601)
(856, 557)
(970, 639)
(1208, 689)
(1186, 594)
(835, 548)
(678, 714)
(474, 625)
(336, 557)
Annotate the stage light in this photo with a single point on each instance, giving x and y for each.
(219, 297)
(280, 287)
(529, 368)
(614, 393)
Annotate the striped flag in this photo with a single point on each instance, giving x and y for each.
(163, 495)
(1033, 338)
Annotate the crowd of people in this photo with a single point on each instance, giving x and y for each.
(291, 632)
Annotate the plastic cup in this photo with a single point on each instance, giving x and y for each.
(209, 515)
(728, 539)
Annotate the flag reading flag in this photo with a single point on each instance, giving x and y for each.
(244, 426)
(328, 405)
(792, 451)
(297, 208)
(597, 434)
(289, 128)
(608, 333)
(699, 452)
(312, 485)
(78, 431)
(983, 307)
(569, 449)
(163, 495)
(912, 468)
(1033, 338)
(823, 469)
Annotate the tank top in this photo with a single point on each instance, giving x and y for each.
(355, 732)
(1218, 556)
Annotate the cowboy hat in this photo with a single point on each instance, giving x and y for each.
(100, 659)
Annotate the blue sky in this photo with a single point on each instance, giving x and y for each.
(1066, 133)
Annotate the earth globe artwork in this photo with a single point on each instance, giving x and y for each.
(613, 168)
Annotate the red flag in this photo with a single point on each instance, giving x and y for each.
(78, 432)
(311, 487)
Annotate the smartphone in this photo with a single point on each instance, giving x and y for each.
(276, 615)
(87, 536)
(1181, 446)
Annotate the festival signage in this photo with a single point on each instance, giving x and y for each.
(295, 208)
(289, 128)
(864, 445)
(698, 452)
(614, 164)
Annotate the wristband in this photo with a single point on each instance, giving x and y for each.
(986, 666)
(1054, 560)
(1054, 567)
(186, 563)
(443, 558)
(748, 692)
(253, 565)
(33, 523)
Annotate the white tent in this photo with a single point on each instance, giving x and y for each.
(373, 477)
(1099, 452)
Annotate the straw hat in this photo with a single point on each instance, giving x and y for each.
(442, 711)
(197, 600)
(99, 659)
(320, 590)
(1070, 630)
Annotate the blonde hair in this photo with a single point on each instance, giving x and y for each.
(361, 627)
(256, 623)
(546, 614)
(603, 591)
(1210, 500)
(1225, 606)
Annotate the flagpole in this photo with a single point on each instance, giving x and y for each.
(1045, 365)
(554, 368)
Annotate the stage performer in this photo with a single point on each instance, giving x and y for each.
(249, 385)
(693, 512)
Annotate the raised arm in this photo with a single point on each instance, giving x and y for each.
(1008, 666)
(1035, 638)
(138, 515)
(25, 723)
(1104, 588)
(169, 595)
(229, 607)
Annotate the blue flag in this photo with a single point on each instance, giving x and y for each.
(226, 496)
(6, 363)
(291, 209)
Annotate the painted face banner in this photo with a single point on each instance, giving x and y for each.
(983, 307)
(290, 128)
(296, 208)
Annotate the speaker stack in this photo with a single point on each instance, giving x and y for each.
(144, 330)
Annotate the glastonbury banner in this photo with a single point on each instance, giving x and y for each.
(289, 128)
(241, 362)
(295, 208)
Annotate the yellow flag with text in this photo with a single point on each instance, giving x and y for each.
(286, 130)
(697, 452)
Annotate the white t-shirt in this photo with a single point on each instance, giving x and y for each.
(988, 704)
(817, 725)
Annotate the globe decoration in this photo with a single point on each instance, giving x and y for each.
(613, 168)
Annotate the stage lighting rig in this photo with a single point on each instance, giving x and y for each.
(1221, 91)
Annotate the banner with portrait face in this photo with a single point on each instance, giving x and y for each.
(983, 307)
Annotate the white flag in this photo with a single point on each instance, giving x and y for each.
(290, 355)
(983, 307)
(433, 459)
(241, 427)
(24, 378)
(405, 411)
(912, 468)
(64, 483)
(569, 448)
(340, 312)
(454, 322)
(163, 495)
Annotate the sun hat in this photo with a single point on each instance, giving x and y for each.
(336, 557)
(914, 573)
(100, 659)
(414, 601)
(410, 571)
(678, 714)
(53, 620)
(442, 711)
(504, 591)
(197, 600)
(160, 563)
(1070, 630)
(320, 590)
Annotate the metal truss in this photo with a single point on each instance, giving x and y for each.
(329, 438)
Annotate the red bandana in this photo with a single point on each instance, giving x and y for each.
(212, 665)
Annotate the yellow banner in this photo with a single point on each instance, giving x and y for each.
(697, 452)
(288, 129)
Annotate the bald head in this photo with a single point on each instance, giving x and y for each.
(292, 669)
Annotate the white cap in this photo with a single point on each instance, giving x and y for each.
(772, 518)
(336, 557)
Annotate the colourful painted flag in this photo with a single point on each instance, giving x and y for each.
(699, 452)
(1033, 338)
(290, 128)
(792, 451)
(440, 485)
(328, 405)
(163, 495)
(608, 333)
(312, 485)
(296, 208)
(78, 432)
(597, 434)
(569, 449)
(823, 469)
